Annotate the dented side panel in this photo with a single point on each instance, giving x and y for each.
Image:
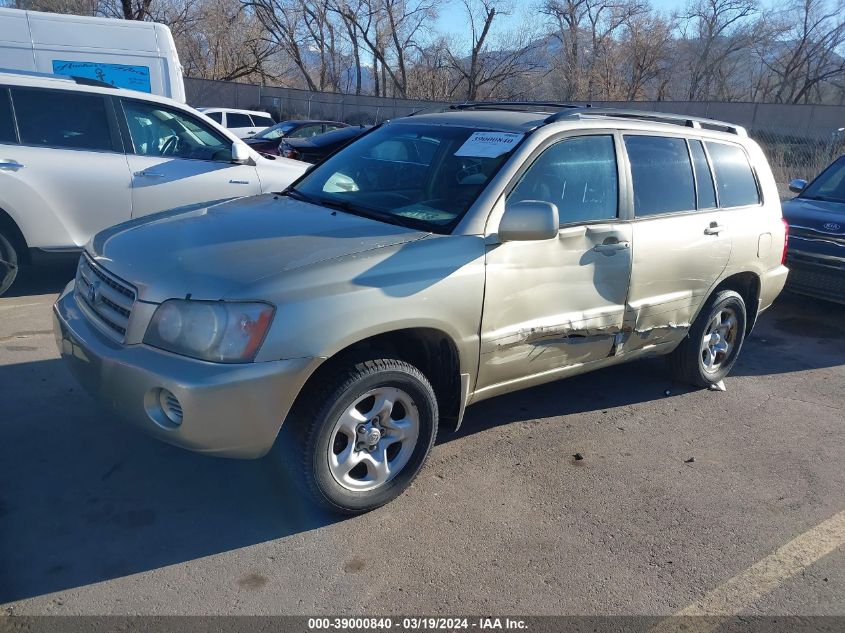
(675, 264)
(553, 303)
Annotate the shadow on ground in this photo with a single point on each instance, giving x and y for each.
(43, 279)
(85, 499)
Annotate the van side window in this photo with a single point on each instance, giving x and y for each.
(217, 117)
(7, 125)
(578, 175)
(661, 173)
(160, 131)
(705, 191)
(734, 178)
(62, 119)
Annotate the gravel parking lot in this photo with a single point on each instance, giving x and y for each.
(96, 518)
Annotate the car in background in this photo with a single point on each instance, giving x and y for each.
(314, 149)
(816, 251)
(242, 123)
(77, 158)
(268, 141)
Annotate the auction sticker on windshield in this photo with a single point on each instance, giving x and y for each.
(488, 144)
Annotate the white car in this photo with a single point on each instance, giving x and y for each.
(76, 158)
(241, 123)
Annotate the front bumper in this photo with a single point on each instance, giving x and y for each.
(816, 275)
(227, 410)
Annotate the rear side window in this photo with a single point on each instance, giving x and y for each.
(662, 175)
(62, 119)
(578, 175)
(703, 178)
(217, 117)
(235, 119)
(7, 125)
(734, 178)
(262, 121)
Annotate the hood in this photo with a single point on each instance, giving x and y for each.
(816, 215)
(209, 252)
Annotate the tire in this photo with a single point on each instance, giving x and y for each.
(327, 435)
(705, 361)
(9, 262)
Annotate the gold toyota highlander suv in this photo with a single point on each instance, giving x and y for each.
(438, 260)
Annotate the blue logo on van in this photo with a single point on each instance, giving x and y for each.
(118, 75)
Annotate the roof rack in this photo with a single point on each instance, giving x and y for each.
(572, 111)
(647, 115)
(518, 106)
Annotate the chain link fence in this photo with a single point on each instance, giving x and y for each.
(799, 140)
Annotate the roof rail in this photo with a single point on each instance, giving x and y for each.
(648, 115)
(518, 106)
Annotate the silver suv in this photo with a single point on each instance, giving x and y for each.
(439, 260)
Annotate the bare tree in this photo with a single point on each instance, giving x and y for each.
(808, 50)
(645, 50)
(716, 30)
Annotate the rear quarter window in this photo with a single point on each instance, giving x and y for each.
(7, 125)
(735, 180)
(62, 119)
(661, 173)
(217, 117)
(236, 119)
(262, 121)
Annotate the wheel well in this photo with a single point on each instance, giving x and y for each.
(12, 232)
(431, 351)
(748, 286)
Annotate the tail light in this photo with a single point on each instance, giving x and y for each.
(785, 240)
(288, 152)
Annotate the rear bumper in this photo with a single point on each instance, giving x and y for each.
(771, 285)
(227, 410)
(816, 275)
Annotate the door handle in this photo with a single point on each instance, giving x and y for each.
(148, 174)
(714, 229)
(610, 246)
(10, 164)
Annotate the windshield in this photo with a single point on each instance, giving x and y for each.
(415, 174)
(830, 185)
(275, 132)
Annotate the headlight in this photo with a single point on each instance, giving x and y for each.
(218, 331)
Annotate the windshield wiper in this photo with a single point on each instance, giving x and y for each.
(293, 192)
(824, 199)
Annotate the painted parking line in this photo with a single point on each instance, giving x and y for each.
(731, 597)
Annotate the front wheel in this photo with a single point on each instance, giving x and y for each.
(8, 264)
(712, 344)
(364, 434)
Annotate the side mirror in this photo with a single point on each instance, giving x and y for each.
(240, 153)
(798, 185)
(529, 220)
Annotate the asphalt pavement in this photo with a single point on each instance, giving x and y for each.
(678, 492)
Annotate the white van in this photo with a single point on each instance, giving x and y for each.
(123, 53)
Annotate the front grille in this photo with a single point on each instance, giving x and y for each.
(108, 299)
(815, 235)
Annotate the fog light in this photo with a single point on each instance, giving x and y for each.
(164, 408)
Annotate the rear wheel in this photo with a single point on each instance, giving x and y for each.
(9, 262)
(364, 434)
(713, 342)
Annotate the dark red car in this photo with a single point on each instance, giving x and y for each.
(268, 141)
